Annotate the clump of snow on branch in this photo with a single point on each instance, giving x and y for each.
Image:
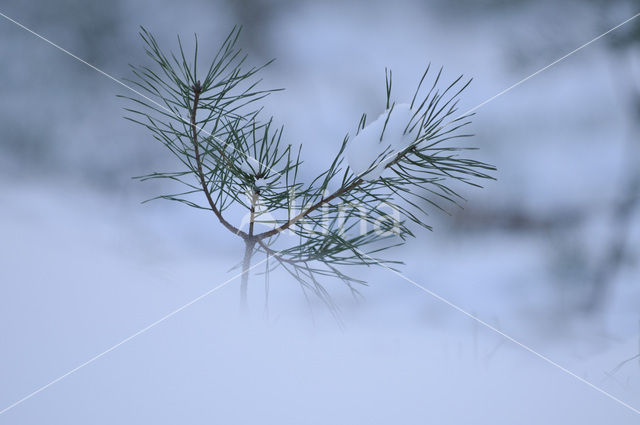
(260, 184)
(250, 165)
(370, 153)
(247, 163)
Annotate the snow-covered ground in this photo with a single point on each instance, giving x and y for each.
(82, 267)
(83, 272)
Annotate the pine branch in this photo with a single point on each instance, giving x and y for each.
(238, 159)
(197, 89)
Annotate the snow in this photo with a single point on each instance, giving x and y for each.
(260, 183)
(365, 150)
(81, 270)
(250, 165)
(247, 163)
(108, 269)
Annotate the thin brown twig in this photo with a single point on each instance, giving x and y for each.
(331, 197)
(252, 217)
(197, 89)
(309, 210)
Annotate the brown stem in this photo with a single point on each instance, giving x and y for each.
(326, 200)
(197, 89)
(246, 264)
(254, 199)
(309, 210)
(249, 242)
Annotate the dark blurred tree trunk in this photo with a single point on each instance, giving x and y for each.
(621, 218)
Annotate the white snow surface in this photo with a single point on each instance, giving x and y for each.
(107, 269)
(81, 271)
(364, 150)
(250, 165)
(260, 183)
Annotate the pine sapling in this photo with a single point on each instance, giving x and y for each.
(232, 159)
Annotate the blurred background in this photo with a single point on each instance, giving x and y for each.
(548, 253)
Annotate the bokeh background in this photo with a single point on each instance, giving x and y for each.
(548, 253)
